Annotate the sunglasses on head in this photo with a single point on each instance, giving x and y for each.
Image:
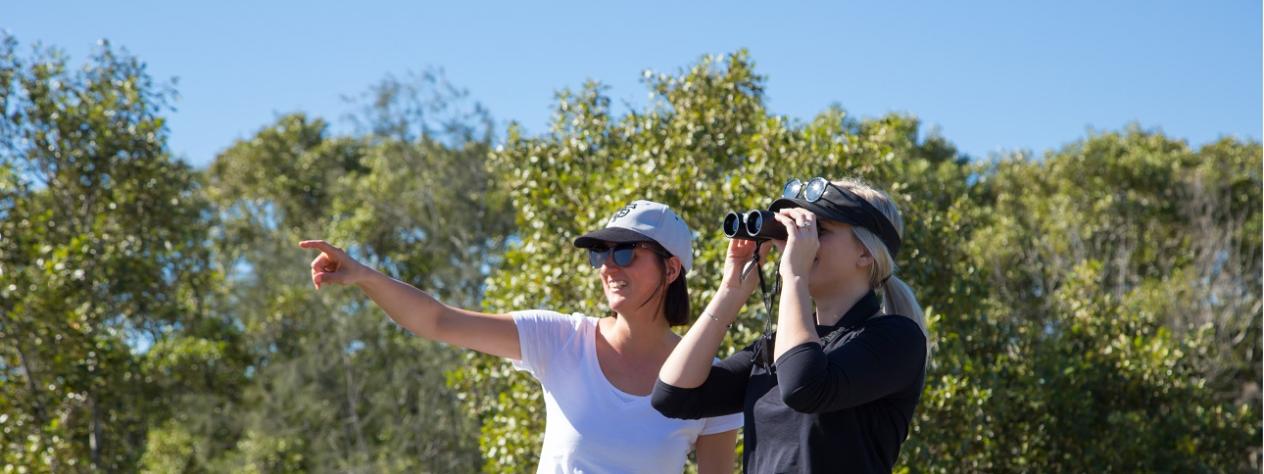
(811, 191)
(623, 254)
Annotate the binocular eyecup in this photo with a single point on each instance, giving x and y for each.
(757, 225)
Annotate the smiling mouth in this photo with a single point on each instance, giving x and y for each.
(617, 285)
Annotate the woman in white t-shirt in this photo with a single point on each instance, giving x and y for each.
(597, 373)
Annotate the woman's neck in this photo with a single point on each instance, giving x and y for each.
(637, 334)
(831, 308)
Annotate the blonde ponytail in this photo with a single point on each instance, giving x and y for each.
(897, 297)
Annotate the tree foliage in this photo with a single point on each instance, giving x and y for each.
(1119, 330)
(1111, 287)
(102, 254)
(1095, 309)
(335, 385)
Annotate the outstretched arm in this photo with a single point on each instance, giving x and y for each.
(416, 311)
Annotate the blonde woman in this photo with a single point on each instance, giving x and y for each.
(835, 388)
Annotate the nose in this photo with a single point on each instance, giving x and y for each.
(608, 267)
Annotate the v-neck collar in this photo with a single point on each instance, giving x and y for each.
(594, 367)
(859, 312)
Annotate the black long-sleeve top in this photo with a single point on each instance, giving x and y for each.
(841, 408)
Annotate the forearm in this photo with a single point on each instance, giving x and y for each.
(795, 322)
(408, 306)
(716, 453)
(690, 363)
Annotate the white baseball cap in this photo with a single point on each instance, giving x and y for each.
(643, 221)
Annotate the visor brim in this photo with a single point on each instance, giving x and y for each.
(618, 235)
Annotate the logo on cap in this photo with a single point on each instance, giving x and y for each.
(623, 212)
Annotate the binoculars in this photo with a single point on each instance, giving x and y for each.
(757, 225)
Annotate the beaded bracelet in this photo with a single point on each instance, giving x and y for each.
(713, 318)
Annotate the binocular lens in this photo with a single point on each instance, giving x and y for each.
(733, 225)
(762, 226)
(754, 222)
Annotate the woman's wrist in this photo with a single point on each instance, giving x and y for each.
(731, 282)
(725, 305)
(790, 274)
(723, 293)
(729, 300)
(726, 322)
(366, 275)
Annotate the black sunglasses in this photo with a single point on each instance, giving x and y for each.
(812, 191)
(624, 254)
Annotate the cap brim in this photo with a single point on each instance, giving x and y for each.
(617, 235)
(817, 209)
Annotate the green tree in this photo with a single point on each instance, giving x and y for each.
(705, 146)
(1050, 286)
(334, 384)
(104, 255)
(1096, 309)
(1119, 328)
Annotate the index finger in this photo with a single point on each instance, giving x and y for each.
(785, 218)
(794, 211)
(319, 245)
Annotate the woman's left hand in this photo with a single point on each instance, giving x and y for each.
(801, 244)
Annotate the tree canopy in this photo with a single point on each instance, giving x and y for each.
(1093, 308)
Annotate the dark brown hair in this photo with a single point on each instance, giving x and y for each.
(676, 304)
(676, 301)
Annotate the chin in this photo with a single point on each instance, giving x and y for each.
(817, 278)
(615, 303)
(815, 291)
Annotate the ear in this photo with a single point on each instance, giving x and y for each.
(672, 269)
(865, 260)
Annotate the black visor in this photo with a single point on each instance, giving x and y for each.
(844, 206)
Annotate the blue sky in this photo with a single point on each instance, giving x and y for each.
(992, 76)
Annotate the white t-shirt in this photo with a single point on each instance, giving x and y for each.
(591, 426)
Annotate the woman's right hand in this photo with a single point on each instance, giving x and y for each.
(333, 265)
(802, 241)
(739, 255)
(416, 311)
